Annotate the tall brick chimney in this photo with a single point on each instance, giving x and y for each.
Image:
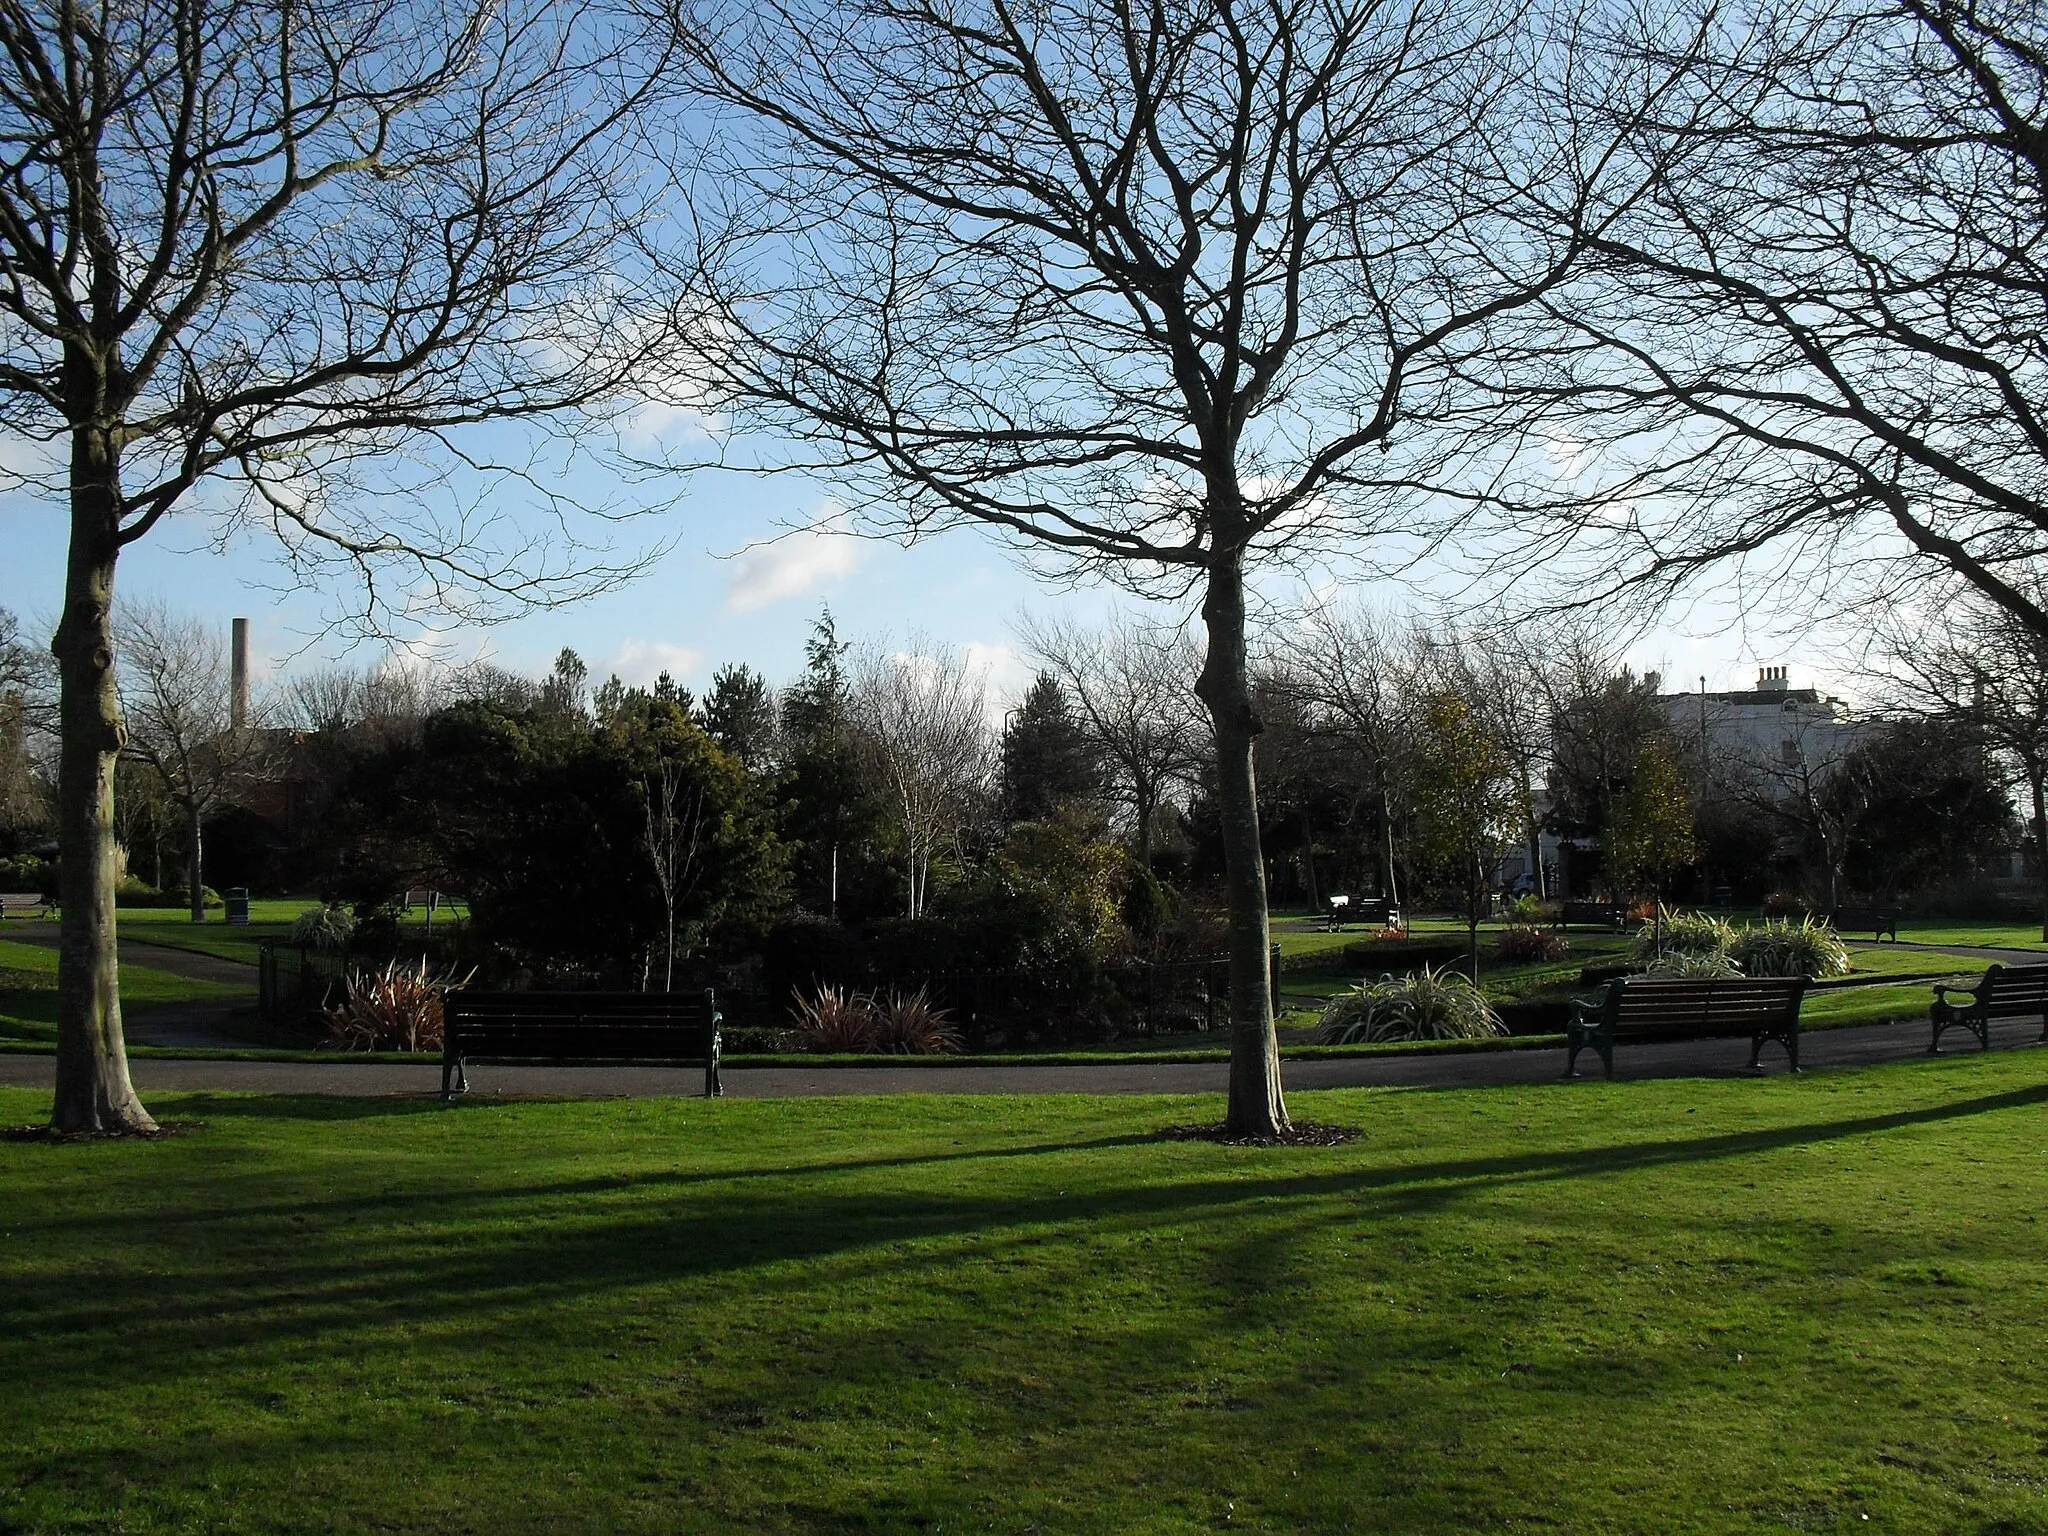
(238, 700)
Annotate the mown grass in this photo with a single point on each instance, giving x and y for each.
(1652, 1306)
(28, 991)
(270, 918)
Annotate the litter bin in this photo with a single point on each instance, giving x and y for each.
(238, 905)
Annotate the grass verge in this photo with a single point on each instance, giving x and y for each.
(28, 991)
(1656, 1306)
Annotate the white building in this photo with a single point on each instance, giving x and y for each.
(1773, 733)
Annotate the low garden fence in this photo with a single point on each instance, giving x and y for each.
(295, 977)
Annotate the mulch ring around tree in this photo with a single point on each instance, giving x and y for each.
(51, 1134)
(1302, 1133)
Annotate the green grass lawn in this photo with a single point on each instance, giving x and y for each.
(28, 990)
(268, 919)
(1744, 1306)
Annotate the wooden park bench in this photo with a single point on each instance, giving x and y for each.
(1658, 1008)
(26, 901)
(2006, 992)
(1856, 919)
(1592, 914)
(579, 1026)
(1373, 911)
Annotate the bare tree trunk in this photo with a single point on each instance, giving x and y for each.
(1472, 916)
(1257, 1107)
(93, 1091)
(1533, 835)
(1146, 801)
(1308, 861)
(1390, 887)
(196, 883)
(2040, 794)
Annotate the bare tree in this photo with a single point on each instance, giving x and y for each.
(176, 700)
(264, 246)
(1133, 687)
(1159, 290)
(1977, 665)
(27, 695)
(1351, 665)
(1787, 781)
(1505, 674)
(923, 720)
(1816, 351)
(674, 845)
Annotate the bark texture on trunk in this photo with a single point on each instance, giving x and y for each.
(1257, 1107)
(93, 1090)
(2039, 789)
(1472, 919)
(1308, 860)
(196, 882)
(1390, 886)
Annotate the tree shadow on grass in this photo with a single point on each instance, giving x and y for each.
(460, 1258)
(822, 1417)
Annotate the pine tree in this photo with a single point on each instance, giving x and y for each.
(1048, 759)
(739, 714)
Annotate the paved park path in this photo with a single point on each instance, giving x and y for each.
(1823, 1049)
(201, 1023)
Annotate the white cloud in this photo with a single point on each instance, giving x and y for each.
(640, 662)
(1569, 457)
(795, 564)
(653, 422)
(28, 458)
(1006, 674)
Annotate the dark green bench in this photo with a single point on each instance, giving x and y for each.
(2005, 992)
(1373, 911)
(27, 901)
(1592, 914)
(1856, 919)
(579, 1026)
(1639, 1008)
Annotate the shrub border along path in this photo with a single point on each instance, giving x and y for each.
(1538, 1060)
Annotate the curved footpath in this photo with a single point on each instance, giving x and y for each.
(1823, 1049)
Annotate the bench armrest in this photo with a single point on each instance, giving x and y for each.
(1942, 989)
(1587, 1010)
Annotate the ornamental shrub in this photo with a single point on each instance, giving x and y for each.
(1782, 947)
(1692, 965)
(836, 1020)
(1429, 1005)
(395, 1009)
(912, 1026)
(1685, 933)
(325, 927)
(1526, 942)
(833, 1021)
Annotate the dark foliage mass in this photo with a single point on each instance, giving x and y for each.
(1921, 807)
(541, 818)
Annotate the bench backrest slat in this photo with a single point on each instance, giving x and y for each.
(615, 1025)
(1673, 1008)
(2014, 990)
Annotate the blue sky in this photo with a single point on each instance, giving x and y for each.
(726, 593)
